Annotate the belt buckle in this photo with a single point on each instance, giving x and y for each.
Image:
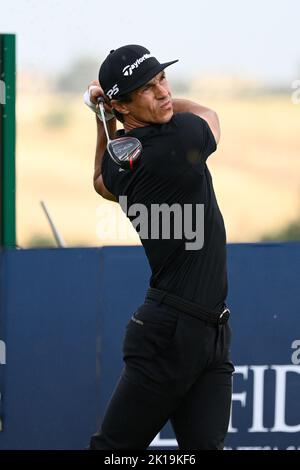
(223, 318)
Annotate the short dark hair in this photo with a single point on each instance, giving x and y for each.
(122, 99)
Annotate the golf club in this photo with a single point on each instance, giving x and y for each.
(125, 151)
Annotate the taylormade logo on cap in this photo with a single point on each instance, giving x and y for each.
(129, 68)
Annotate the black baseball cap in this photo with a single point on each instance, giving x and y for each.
(127, 68)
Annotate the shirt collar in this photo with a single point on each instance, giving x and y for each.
(138, 132)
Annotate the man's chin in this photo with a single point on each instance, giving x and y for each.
(166, 117)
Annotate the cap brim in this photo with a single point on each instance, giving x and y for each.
(148, 76)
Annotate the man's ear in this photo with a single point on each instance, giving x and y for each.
(119, 106)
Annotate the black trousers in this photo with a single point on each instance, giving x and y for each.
(177, 367)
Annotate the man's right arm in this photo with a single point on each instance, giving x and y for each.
(100, 150)
(101, 143)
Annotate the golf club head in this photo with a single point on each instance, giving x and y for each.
(125, 151)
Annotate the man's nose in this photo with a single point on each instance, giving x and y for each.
(161, 91)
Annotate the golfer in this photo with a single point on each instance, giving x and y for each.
(176, 346)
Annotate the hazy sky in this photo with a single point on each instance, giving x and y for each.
(260, 38)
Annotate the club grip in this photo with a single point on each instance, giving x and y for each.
(100, 99)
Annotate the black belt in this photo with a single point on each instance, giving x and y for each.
(190, 308)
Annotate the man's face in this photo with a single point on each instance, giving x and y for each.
(151, 103)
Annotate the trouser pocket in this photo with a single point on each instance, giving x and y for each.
(149, 332)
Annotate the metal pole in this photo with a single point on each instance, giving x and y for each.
(58, 238)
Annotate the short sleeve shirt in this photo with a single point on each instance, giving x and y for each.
(172, 175)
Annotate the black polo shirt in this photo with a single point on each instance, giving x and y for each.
(173, 170)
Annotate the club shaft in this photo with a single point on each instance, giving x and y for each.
(104, 120)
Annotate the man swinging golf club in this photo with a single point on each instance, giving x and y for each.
(176, 346)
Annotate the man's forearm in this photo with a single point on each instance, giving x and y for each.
(101, 143)
(100, 150)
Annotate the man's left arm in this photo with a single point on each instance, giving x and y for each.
(210, 116)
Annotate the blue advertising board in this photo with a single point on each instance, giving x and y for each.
(63, 314)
